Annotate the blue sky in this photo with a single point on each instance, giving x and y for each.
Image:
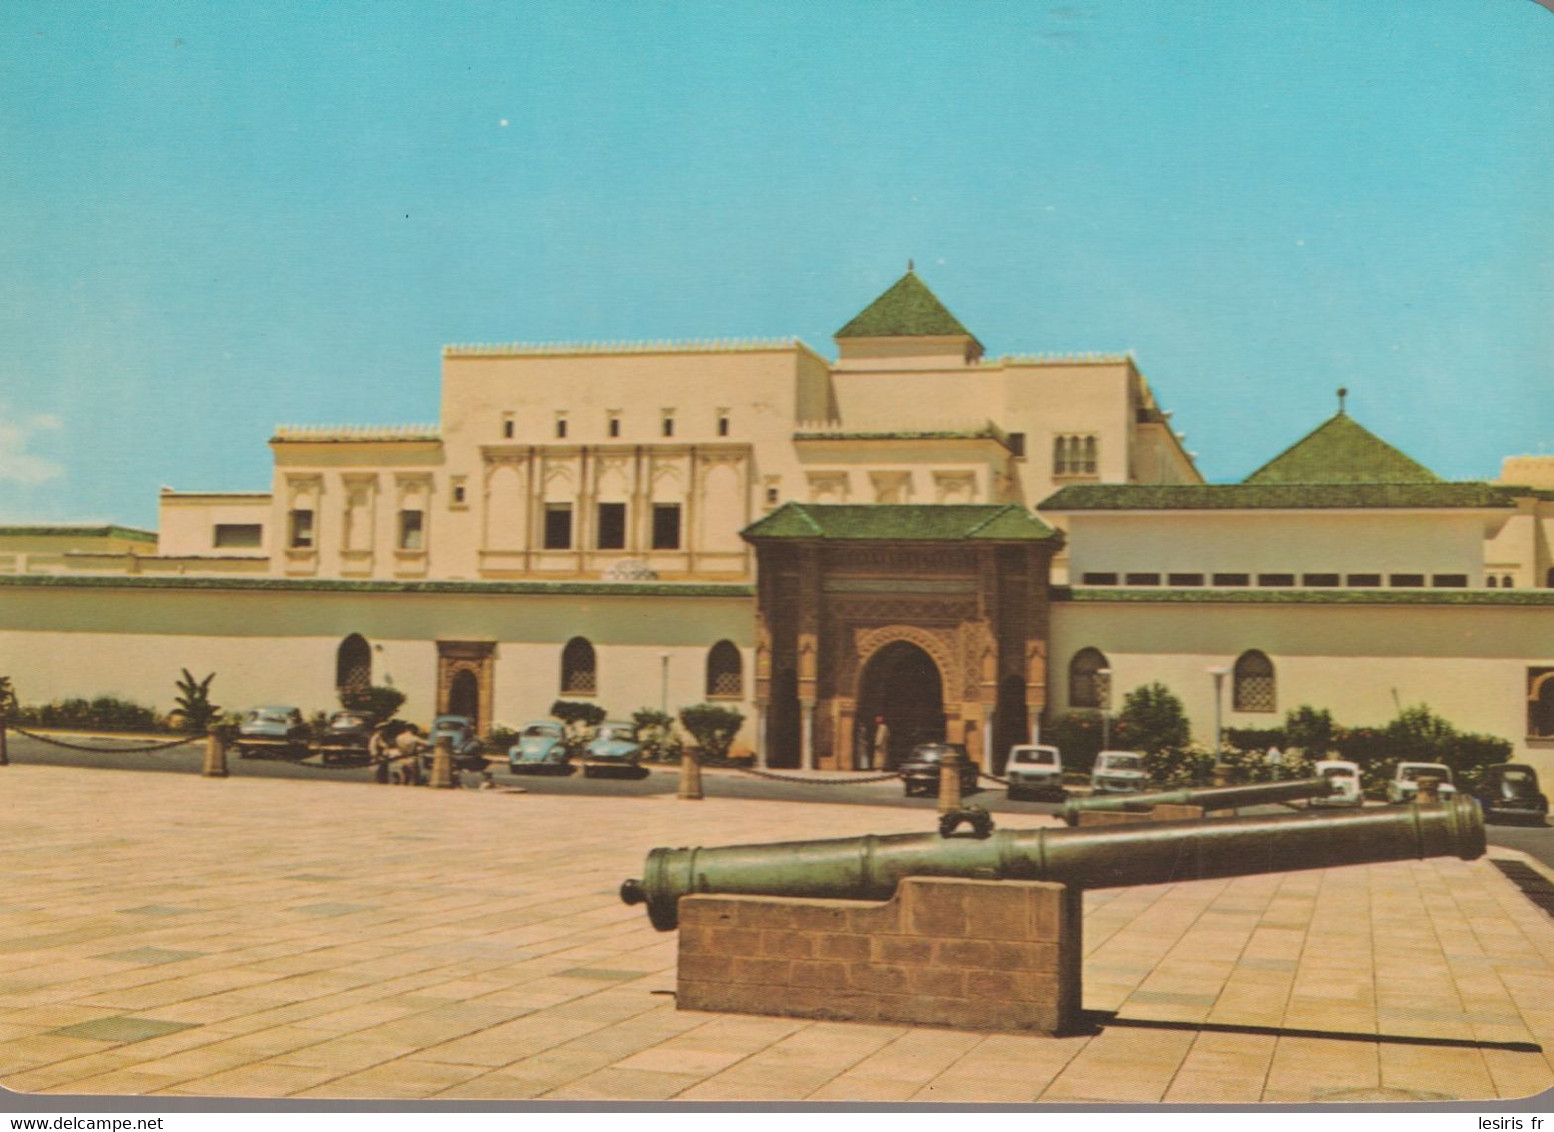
(217, 218)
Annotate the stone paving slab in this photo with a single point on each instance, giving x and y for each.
(176, 935)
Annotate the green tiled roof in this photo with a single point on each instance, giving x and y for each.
(331, 585)
(1341, 451)
(907, 310)
(904, 522)
(111, 530)
(1238, 596)
(1275, 496)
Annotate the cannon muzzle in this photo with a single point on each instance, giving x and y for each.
(1210, 798)
(869, 867)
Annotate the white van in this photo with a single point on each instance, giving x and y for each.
(1035, 771)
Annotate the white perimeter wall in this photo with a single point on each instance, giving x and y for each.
(271, 647)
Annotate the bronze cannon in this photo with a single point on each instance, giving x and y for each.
(1210, 798)
(869, 867)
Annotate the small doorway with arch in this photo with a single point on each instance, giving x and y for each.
(465, 672)
(901, 686)
(464, 695)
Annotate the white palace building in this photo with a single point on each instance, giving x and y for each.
(913, 530)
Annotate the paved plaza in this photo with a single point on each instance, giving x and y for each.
(173, 935)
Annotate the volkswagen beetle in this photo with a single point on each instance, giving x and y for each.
(614, 750)
(541, 749)
(272, 731)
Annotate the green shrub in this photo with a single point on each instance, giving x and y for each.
(579, 719)
(713, 727)
(378, 702)
(1311, 730)
(8, 704)
(1077, 734)
(1258, 739)
(499, 739)
(1152, 720)
(656, 733)
(105, 713)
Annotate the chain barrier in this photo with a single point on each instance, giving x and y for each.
(107, 750)
(816, 781)
(992, 778)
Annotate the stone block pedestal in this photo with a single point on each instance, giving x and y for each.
(966, 954)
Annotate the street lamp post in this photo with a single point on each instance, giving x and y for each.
(1103, 689)
(663, 682)
(1219, 675)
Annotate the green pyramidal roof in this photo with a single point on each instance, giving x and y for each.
(908, 522)
(908, 310)
(1341, 451)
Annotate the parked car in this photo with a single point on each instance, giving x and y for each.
(541, 749)
(1510, 793)
(272, 731)
(459, 730)
(921, 769)
(1345, 779)
(347, 736)
(1035, 771)
(1118, 772)
(614, 750)
(1404, 786)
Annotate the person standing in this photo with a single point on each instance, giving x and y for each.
(881, 755)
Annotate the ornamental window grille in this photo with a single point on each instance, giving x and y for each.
(1075, 455)
(1254, 683)
(353, 663)
(725, 672)
(579, 668)
(1086, 684)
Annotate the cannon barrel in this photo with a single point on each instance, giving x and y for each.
(869, 867)
(1210, 798)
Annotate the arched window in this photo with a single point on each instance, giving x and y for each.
(1086, 684)
(725, 672)
(1494, 582)
(1549, 579)
(1254, 687)
(353, 663)
(579, 669)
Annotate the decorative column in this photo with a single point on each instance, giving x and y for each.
(807, 752)
(762, 720)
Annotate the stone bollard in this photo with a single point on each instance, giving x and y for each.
(690, 775)
(949, 782)
(1429, 790)
(442, 765)
(215, 755)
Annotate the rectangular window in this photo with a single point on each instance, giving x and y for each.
(1319, 580)
(460, 492)
(1364, 581)
(561, 427)
(1143, 579)
(1099, 579)
(666, 526)
(1450, 581)
(411, 531)
(1276, 579)
(1017, 444)
(611, 534)
(508, 426)
(613, 425)
(1407, 581)
(772, 496)
(1232, 579)
(558, 526)
(723, 424)
(1185, 579)
(231, 535)
(668, 425)
(301, 528)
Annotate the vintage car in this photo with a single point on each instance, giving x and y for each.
(1510, 793)
(1035, 771)
(541, 749)
(459, 730)
(1345, 779)
(348, 735)
(272, 731)
(1118, 772)
(1404, 786)
(921, 769)
(613, 750)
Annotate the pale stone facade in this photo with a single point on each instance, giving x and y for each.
(594, 496)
